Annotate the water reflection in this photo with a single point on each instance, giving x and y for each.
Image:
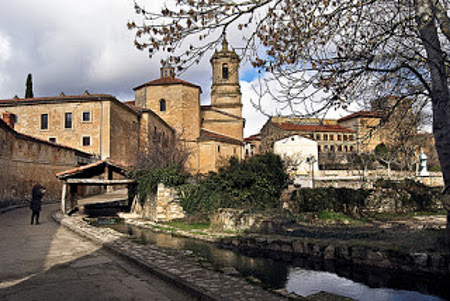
(303, 275)
(307, 282)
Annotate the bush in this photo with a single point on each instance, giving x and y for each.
(422, 197)
(254, 184)
(148, 179)
(335, 199)
(349, 201)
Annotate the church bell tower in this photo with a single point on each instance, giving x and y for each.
(225, 90)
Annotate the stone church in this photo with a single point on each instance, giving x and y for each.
(163, 109)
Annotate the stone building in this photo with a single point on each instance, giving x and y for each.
(163, 109)
(365, 125)
(26, 160)
(98, 124)
(212, 133)
(252, 145)
(330, 136)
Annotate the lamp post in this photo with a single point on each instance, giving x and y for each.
(311, 160)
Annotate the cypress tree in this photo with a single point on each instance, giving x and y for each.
(29, 90)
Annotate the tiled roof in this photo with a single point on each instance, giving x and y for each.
(313, 128)
(165, 81)
(256, 137)
(362, 114)
(85, 168)
(56, 98)
(208, 135)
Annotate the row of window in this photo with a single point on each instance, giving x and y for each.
(332, 148)
(85, 140)
(68, 120)
(329, 137)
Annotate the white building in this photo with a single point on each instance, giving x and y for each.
(300, 153)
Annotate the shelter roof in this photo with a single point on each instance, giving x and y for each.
(313, 128)
(94, 169)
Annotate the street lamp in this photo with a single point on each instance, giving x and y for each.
(311, 160)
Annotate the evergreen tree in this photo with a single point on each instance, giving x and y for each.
(29, 85)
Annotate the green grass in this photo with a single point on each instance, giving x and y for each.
(187, 227)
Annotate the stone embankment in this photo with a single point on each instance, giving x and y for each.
(354, 255)
(176, 267)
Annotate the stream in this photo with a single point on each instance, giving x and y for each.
(305, 276)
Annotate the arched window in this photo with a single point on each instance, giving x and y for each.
(225, 71)
(162, 105)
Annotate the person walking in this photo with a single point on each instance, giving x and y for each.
(36, 201)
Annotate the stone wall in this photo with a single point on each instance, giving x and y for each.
(162, 207)
(25, 161)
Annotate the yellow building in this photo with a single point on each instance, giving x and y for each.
(98, 124)
(163, 109)
(212, 133)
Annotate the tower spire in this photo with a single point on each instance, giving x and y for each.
(224, 44)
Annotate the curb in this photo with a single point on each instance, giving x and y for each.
(190, 288)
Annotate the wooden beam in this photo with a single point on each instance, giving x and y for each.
(63, 198)
(99, 181)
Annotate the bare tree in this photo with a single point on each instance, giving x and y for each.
(162, 153)
(343, 50)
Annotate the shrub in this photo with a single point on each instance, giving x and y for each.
(254, 184)
(147, 180)
(335, 199)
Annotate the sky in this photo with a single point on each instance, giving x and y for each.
(72, 46)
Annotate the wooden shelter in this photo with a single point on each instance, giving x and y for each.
(102, 175)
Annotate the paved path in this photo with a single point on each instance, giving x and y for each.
(48, 262)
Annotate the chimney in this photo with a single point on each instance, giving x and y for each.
(9, 118)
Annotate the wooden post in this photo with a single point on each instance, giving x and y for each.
(63, 198)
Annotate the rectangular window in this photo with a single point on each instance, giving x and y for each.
(86, 141)
(52, 139)
(331, 137)
(332, 148)
(325, 148)
(345, 137)
(318, 137)
(350, 137)
(325, 137)
(86, 117)
(68, 121)
(351, 148)
(339, 137)
(340, 148)
(44, 121)
(319, 149)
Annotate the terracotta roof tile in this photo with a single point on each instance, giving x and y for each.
(69, 97)
(313, 128)
(79, 170)
(362, 114)
(256, 137)
(207, 135)
(165, 81)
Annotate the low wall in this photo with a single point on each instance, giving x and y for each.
(355, 178)
(25, 161)
(162, 207)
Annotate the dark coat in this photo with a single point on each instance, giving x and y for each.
(36, 197)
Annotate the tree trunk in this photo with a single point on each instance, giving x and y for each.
(439, 93)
